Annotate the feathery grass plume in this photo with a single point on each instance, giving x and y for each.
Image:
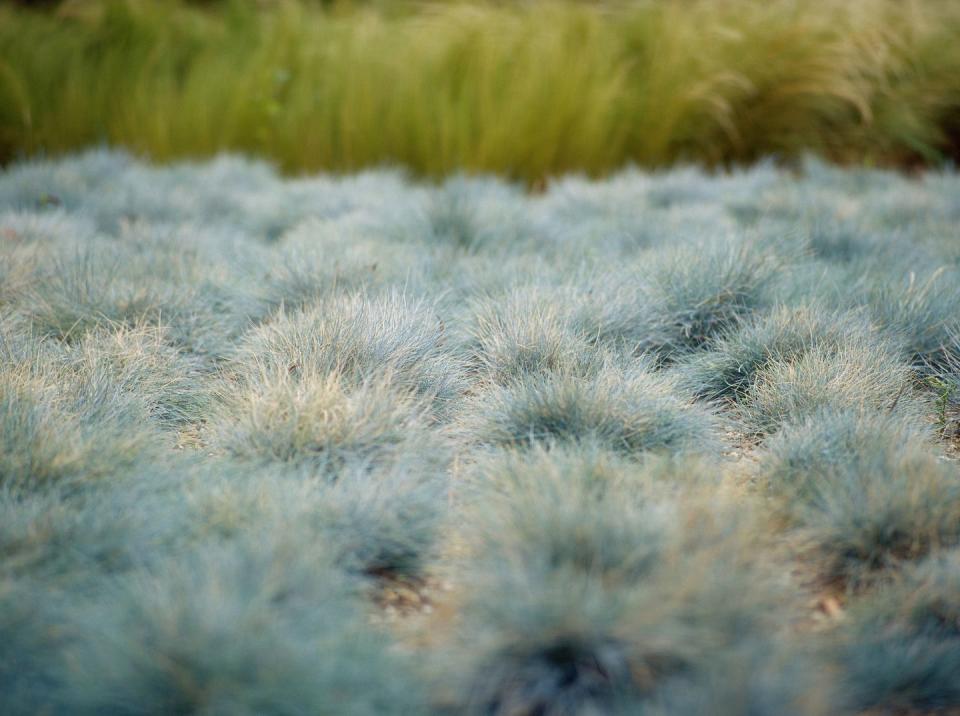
(899, 649)
(528, 92)
(571, 640)
(630, 411)
(241, 629)
(358, 338)
(684, 297)
(864, 492)
(528, 331)
(857, 377)
(323, 422)
(730, 368)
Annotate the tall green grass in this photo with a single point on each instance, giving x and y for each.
(528, 90)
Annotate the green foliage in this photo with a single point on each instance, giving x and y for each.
(529, 90)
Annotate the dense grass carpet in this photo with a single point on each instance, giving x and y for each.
(667, 443)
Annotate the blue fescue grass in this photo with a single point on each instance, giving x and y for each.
(866, 494)
(321, 258)
(682, 297)
(529, 331)
(945, 384)
(920, 310)
(630, 605)
(66, 443)
(631, 411)
(234, 630)
(359, 338)
(731, 366)
(30, 648)
(900, 650)
(576, 508)
(322, 422)
(863, 378)
(142, 362)
(382, 522)
(596, 430)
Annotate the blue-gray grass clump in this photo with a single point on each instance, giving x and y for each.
(666, 443)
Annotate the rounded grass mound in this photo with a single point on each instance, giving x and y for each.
(358, 338)
(78, 440)
(529, 331)
(377, 523)
(323, 422)
(865, 493)
(736, 359)
(243, 631)
(631, 412)
(577, 508)
(900, 650)
(682, 297)
(578, 640)
(859, 378)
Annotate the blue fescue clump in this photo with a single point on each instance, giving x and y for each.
(248, 630)
(900, 650)
(678, 299)
(359, 338)
(863, 379)
(631, 411)
(865, 492)
(318, 421)
(737, 359)
(529, 331)
(615, 602)
(363, 445)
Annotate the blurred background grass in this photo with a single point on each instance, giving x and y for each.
(526, 89)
